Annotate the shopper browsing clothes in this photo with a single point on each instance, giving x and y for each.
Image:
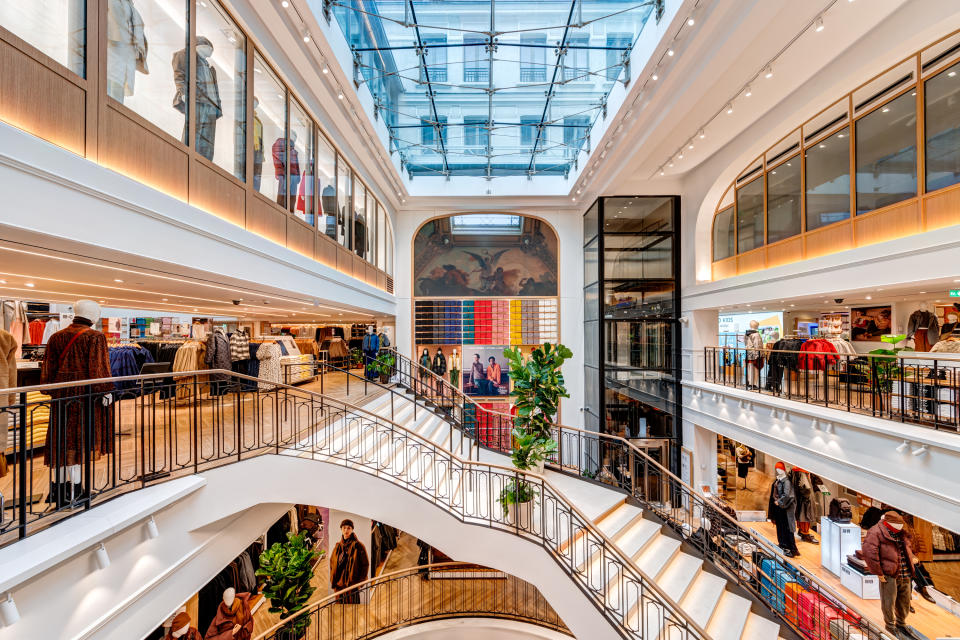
(888, 552)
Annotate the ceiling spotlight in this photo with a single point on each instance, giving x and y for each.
(117, 280)
(284, 4)
(768, 72)
(903, 446)
(573, 199)
(306, 37)
(101, 301)
(829, 427)
(578, 190)
(691, 21)
(690, 146)
(29, 284)
(670, 52)
(714, 397)
(730, 108)
(680, 157)
(818, 27)
(8, 611)
(655, 77)
(152, 532)
(670, 165)
(164, 299)
(815, 425)
(662, 172)
(773, 412)
(101, 557)
(3, 282)
(740, 403)
(339, 94)
(919, 451)
(869, 297)
(748, 92)
(326, 69)
(702, 134)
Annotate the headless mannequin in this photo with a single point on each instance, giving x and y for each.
(923, 328)
(371, 348)
(949, 326)
(753, 342)
(453, 366)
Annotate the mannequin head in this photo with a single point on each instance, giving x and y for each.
(754, 325)
(204, 47)
(87, 309)
(454, 351)
(181, 624)
(229, 595)
(369, 330)
(952, 318)
(781, 470)
(425, 352)
(439, 351)
(923, 306)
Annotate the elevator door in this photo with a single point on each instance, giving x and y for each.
(649, 481)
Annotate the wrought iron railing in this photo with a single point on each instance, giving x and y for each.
(162, 426)
(421, 594)
(745, 557)
(919, 388)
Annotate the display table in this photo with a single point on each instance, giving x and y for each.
(837, 541)
(863, 585)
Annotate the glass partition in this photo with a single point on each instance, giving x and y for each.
(887, 154)
(359, 219)
(828, 180)
(221, 101)
(147, 60)
(724, 235)
(344, 198)
(327, 178)
(58, 28)
(783, 200)
(942, 129)
(269, 131)
(750, 232)
(300, 145)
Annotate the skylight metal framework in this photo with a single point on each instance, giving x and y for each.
(490, 87)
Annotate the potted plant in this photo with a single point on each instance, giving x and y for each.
(384, 365)
(885, 364)
(530, 451)
(538, 386)
(516, 500)
(287, 569)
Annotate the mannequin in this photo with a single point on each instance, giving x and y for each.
(808, 507)
(8, 380)
(233, 621)
(781, 511)
(425, 364)
(257, 145)
(923, 327)
(207, 106)
(439, 363)
(753, 341)
(126, 48)
(76, 353)
(453, 366)
(371, 348)
(281, 151)
(183, 629)
(949, 326)
(744, 460)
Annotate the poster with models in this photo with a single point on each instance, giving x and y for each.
(867, 324)
(485, 256)
(486, 372)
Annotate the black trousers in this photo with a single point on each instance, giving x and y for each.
(785, 537)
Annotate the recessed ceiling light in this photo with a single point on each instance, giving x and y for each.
(869, 297)
(748, 92)
(670, 52)
(768, 72)
(164, 299)
(284, 4)
(691, 21)
(196, 309)
(702, 134)
(326, 69)
(729, 108)
(3, 282)
(690, 146)
(102, 301)
(923, 292)
(952, 73)
(655, 77)
(818, 27)
(29, 284)
(885, 109)
(117, 280)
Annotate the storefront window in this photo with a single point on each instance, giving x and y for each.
(147, 60)
(221, 89)
(360, 219)
(828, 180)
(887, 154)
(381, 237)
(750, 216)
(724, 237)
(269, 132)
(326, 167)
(942, 129)
(55, 27)
(344, 197)
(300, 145)
(783, 200)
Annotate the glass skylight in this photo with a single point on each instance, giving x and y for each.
(486, 224)
(481, 88)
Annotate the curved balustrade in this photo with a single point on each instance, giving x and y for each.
(408, 596)
(162, 427)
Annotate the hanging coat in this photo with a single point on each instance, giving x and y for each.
(803, 487)
(218, 353)
(76, 353)
(439, 364)
(783, 497)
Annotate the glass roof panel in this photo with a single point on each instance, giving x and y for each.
(490, 88)
(487, 224)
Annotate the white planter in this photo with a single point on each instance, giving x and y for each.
(539, 467)
(523, 511)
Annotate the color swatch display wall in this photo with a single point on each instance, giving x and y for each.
(486, 322)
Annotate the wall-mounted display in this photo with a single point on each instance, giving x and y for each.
(486, 372)
(488, 322)
(869, 323)
(485, 255)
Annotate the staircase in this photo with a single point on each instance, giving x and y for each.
(703, 596)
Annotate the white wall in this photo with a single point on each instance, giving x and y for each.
(204, 531)
(569, 229)
(474, 629)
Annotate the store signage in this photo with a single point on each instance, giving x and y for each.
(955, 293)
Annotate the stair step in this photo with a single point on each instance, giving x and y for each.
(635, 538)
(729, 617)
(622, 517)
(677, 576)
(759, 628)
(702, 597)
(656, 555)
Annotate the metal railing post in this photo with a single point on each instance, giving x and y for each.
(22, 471)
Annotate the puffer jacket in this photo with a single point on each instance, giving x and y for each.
(880, 551)
(753, 341)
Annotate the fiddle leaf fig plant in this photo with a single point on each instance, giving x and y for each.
(884, 361)
(538, 386)
(529, 449)
(287, 569)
